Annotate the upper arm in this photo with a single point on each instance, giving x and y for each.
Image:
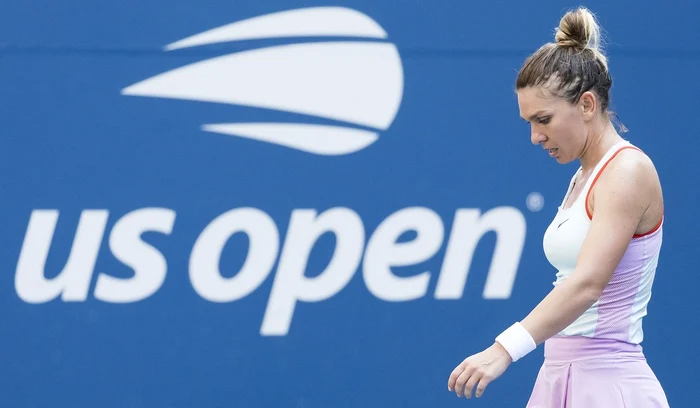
(621, 196)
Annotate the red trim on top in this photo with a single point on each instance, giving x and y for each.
(588, 212)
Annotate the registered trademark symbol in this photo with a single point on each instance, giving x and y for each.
(534, 201)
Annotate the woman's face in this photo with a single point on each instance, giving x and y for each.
(556, 124)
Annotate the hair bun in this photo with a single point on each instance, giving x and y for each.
(578, 29)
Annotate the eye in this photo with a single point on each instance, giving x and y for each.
(544, 120)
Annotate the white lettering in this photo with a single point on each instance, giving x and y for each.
(290, 284)
(206, 255)
(73, 282)
(468, 228)
(148, 264)
(383, 252)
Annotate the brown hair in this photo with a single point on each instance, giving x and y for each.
(574, 64)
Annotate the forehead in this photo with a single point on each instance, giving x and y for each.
(535, 100)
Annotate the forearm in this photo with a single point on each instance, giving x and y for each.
(561, 307)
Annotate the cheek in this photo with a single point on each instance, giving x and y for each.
(562, 132)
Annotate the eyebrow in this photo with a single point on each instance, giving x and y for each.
(534, 115)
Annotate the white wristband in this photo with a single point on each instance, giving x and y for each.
(517, 341)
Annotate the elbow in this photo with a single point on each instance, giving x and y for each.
(589, 291)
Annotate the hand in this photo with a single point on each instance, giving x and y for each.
(481, 368)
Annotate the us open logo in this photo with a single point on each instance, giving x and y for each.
(355, 82)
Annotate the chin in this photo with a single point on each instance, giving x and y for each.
(562, 160)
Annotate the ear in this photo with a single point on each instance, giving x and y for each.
(587, 105)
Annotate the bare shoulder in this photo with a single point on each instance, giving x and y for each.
(631, 166)
(630, 184)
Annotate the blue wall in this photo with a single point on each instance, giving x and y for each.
(415, 129)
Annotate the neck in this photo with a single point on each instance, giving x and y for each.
(600, 139)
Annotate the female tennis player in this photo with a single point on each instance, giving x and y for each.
(604, 240)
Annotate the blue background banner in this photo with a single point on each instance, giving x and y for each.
(306, 204)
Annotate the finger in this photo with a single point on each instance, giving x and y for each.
(469, 386)
(462, 380)
(453, 376)
(485, 380)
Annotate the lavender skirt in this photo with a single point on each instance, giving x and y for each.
(581, 372)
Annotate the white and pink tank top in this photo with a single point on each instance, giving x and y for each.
(619, 311)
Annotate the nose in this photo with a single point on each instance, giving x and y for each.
(537, 137)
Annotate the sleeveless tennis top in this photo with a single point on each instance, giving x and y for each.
(619, 311)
